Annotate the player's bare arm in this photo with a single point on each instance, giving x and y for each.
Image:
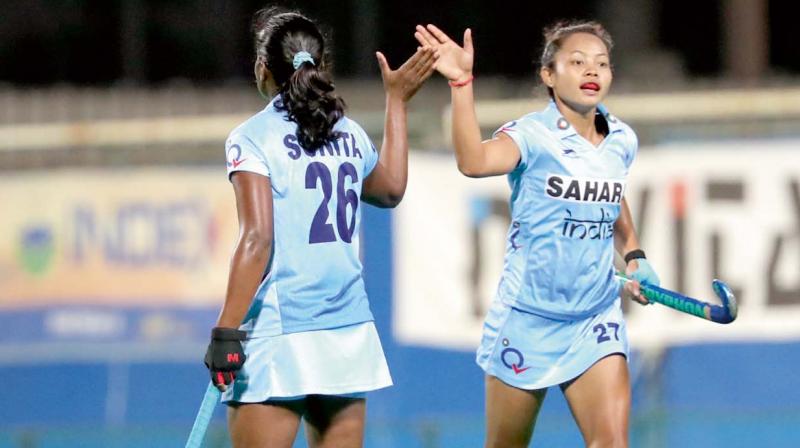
(475, 158)
(625, 241)
(386, 185)
(253, 248)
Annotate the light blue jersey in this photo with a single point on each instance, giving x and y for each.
(565, 198)
(314, 280)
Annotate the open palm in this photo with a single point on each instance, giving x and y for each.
(409, 77)
(455, 62)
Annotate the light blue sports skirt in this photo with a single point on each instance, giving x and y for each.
(345, 361)
(531, 352)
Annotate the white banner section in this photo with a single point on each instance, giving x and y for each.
(727, 210)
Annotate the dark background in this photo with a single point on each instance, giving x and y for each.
(147, 42)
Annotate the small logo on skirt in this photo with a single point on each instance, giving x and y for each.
(512, 359)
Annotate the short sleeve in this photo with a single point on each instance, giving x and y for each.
(522, 133)
(368, 150)
(371, 158)
(241, 154)
(631, 147)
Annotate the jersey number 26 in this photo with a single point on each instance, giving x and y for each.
(321, 231)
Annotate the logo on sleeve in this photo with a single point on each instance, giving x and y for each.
(508, 127)
(586, 190)
(234, 156)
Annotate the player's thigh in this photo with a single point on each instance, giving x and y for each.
(272, 423)
(335, 421)
(510, 413)
(600, 401)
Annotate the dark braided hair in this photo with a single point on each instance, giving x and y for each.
(306, 92)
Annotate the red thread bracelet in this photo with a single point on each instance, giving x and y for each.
(462, 83)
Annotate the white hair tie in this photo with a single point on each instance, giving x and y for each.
(301, 57)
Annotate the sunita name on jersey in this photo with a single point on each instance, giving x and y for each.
(584, 189)
(348, 147)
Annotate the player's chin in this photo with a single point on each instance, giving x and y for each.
(582, 102)
(589, 99)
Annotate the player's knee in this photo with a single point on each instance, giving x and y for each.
(504, 444)
(609, 438)
(507, 440)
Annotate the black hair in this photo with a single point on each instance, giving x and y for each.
(556, 34)
(306, 92)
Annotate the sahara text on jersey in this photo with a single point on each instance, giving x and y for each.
(578, 189)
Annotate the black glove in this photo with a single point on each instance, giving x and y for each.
(225, 356)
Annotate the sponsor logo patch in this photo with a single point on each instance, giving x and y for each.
(512, 359)
(585, 190)
(235, 156)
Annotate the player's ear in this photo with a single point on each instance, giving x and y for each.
(547, 76)
(260, 69)
(263, 77)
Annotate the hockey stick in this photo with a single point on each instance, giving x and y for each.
(721, 314)
(203, 418)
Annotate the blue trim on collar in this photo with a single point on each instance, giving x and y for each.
(556, 122)
(559, 125)
(274, 100)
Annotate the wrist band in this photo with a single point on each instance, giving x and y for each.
(634, 254)
(462, 83)
(228, 334)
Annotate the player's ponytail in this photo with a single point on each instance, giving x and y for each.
(293, 49)
(310, 102)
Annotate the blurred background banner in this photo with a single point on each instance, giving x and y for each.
(117, 221)
(115, 237)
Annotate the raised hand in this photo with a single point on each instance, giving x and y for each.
(406, 80)
(455, 62)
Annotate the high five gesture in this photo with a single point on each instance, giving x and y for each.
(409, 77)
(455, 62)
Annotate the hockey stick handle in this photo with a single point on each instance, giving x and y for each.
(203, 418)
(722, 314)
